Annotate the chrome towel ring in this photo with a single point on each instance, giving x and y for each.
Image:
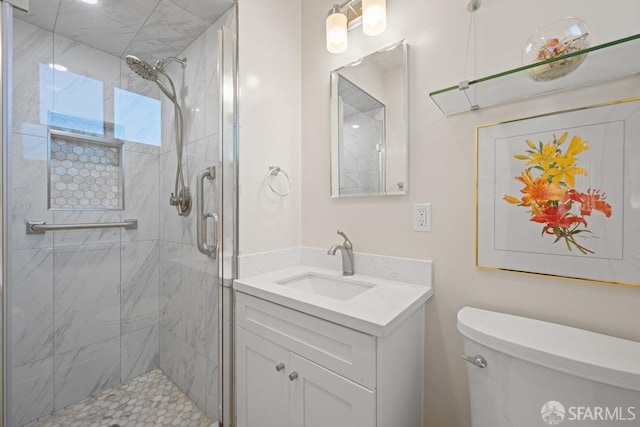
(274, 171)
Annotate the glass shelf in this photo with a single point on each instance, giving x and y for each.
(604, 62)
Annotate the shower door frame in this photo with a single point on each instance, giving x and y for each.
(6, 17)
(228, 201)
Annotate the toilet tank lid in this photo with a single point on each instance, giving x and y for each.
(586, 354)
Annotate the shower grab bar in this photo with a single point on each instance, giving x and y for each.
(202, 217)
(40, 227)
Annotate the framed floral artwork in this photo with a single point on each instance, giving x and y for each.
(559, 194)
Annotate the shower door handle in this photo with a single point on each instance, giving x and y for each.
(202, 217)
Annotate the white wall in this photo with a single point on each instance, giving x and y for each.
(442, 156)
(270, 115)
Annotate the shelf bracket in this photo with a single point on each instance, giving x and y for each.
(463, 86)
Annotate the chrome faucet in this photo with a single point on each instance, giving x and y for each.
(347, 254)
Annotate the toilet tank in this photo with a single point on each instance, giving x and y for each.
(540, 373)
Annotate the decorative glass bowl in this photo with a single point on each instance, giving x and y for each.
(559, 38)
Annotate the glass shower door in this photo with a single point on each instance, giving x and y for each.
(118, 311)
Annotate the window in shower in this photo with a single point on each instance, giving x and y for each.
(75, 103)
(137, 118)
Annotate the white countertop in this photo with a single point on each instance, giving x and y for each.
(376, 311)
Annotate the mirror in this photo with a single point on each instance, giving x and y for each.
(369, 132)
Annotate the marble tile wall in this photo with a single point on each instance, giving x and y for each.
(360, 161)
(32, 386)
(85, 304)
(189, 294)
(189, 323)
(86, 295)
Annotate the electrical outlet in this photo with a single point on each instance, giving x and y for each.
(422, 217)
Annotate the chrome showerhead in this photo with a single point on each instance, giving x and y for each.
(180, 198)
(142, 68)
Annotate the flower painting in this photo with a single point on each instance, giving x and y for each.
(548, 190)
(559, 194)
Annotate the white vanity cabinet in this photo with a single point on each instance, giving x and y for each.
(264, 388)
(297, 370)
(302, 393)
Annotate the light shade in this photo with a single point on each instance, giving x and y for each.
(336, 31)
(374, 16)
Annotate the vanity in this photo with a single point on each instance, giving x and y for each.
(315, 348)
(320, 347)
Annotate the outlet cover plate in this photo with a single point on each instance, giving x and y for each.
(422, 217)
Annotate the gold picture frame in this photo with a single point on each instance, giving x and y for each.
(558, 194)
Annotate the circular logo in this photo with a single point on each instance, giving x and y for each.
(552, 413)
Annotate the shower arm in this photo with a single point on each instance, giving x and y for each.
(160, 63)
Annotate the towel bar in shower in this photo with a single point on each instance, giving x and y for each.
(40, 227)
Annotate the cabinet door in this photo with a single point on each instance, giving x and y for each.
(321, 398)
(262, 389)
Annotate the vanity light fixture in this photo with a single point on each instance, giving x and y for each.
(91, 1)
(374, 17)
(336, 30)
(372, 14)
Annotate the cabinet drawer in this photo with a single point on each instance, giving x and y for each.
(342, 350)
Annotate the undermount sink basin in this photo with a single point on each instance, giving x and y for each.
(326, 286)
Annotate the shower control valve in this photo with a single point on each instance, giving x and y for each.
(182, 202)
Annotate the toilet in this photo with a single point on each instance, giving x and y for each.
(528, 373)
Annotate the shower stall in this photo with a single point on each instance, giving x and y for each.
(119, 207)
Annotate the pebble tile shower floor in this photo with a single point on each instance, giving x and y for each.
(150, 400)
